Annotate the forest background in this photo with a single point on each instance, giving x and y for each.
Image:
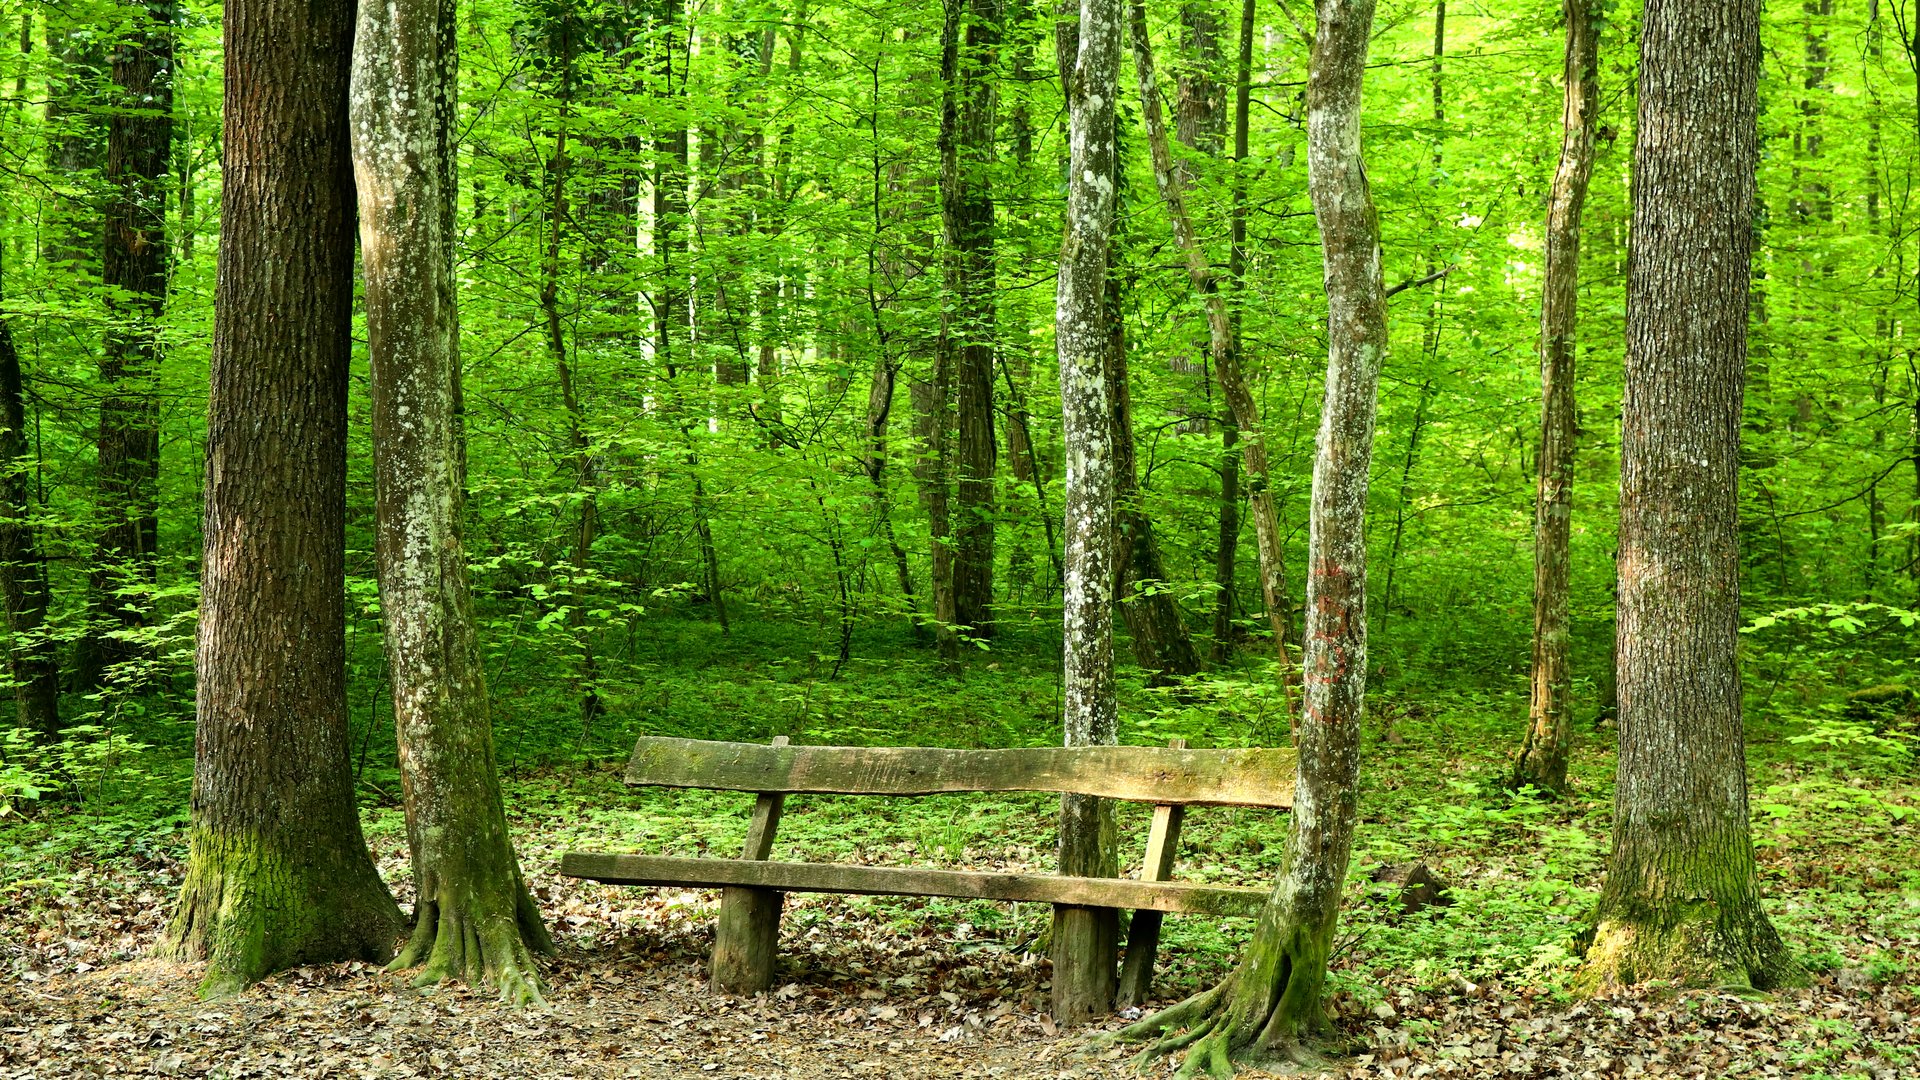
(721, 425)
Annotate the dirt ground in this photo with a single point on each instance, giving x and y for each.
(866, 996)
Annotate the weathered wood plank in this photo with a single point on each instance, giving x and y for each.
(1176, 896)
(1257, 777)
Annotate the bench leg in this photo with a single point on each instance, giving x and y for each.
(1085, 941)
(1143, 946)
(746, 942)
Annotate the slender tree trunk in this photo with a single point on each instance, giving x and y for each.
(139, 158)
(1270, 1003)
(1199, 116)
(1543, 754)
(75, 58)
(1161, 644)
(969, 62)
(673, 310)
(1682, 899)
(1085, 939)
(278, 872)
(880, 393)
(933, 398)
(473, 919)
(1226, 551)
(1404, 497)
(32, 660)
(1225, 348)
(585, 482)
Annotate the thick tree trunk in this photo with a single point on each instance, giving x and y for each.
(1085, 939)
(473, 918)
(1224, 346)
(32, 659)
(278, 873)
(1543, 754)
(134, 270)
(1682, 899)
(968, 61)
(1270, 1003)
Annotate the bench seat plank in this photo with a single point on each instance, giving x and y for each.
(1162, 775)
(1173, 896)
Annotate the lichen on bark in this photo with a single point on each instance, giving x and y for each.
(1269, 1006)
(474, 919)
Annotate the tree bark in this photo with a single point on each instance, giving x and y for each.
(278, 872)
(1161, 644)
(474, 919)
(1682, 899)
(1224, 346)
(880, 393)
(673, 309)
(969, 60)
(76, 57)
(1543, 753)
(1269, 1005)
(1227, 543)
(32, 659)
(586, 487)
(134, 271)
(1085, 939)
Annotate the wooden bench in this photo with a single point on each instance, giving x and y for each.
(747, 936)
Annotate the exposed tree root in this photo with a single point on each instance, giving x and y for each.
(459, 941)
(1258, 1015)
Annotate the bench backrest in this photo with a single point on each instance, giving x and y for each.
(1148, 774)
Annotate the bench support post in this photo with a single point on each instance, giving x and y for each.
(746, 941)
(1085, 939)
(1143, 933)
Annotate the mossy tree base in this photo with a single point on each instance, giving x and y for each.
(1699, 951)
(480, 936)
(1266, 1012)
(249, 911)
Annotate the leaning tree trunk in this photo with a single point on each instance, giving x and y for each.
(134, 270)
(1682, 899)
(1270, 1003)
(473, 918)
(32, 659)
(1543, 754)
(1224, 347)
(1084, 986)
(278, 873)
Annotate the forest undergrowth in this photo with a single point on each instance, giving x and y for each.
(935, 988)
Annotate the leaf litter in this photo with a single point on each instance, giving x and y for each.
(867, 990)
